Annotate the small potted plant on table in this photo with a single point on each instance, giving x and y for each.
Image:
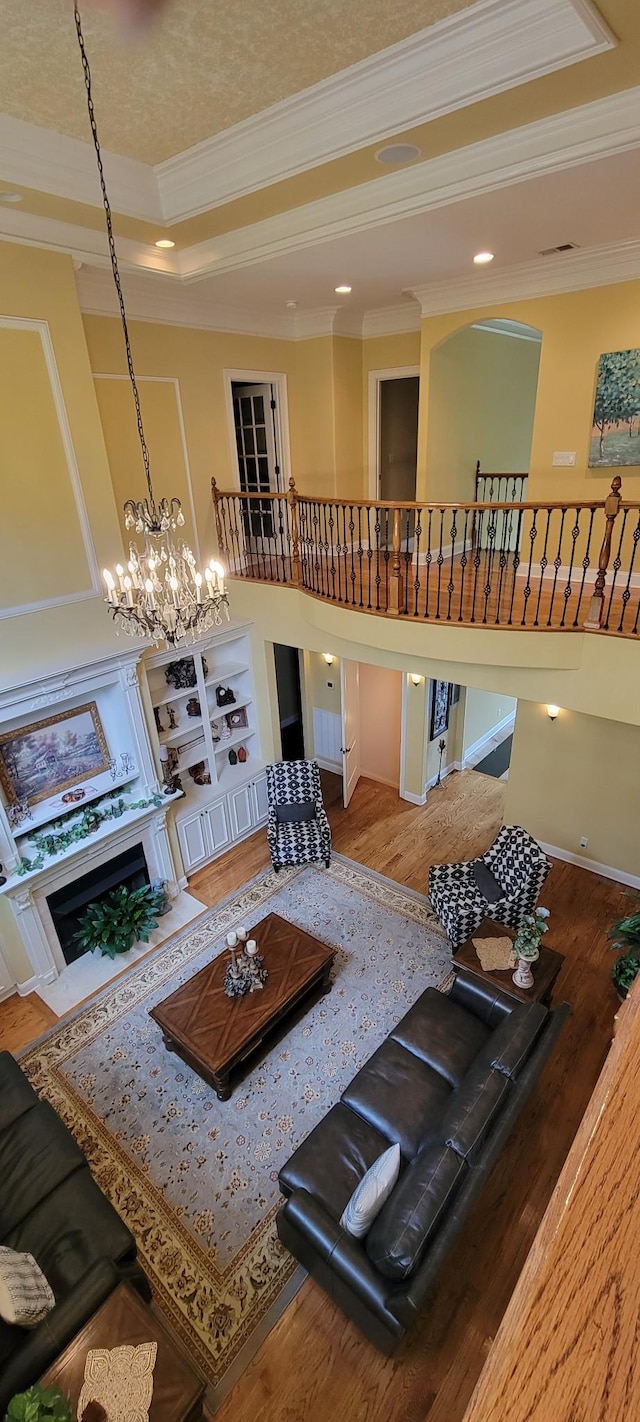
(527, 945)
(39, 1404)
(626, 941)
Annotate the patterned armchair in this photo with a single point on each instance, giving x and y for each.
(520, 867)
(293, 783)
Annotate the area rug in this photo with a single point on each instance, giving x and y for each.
(195, 1179)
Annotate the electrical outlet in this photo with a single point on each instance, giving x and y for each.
(564, 457)
(584, 842)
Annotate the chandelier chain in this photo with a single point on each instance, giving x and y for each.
(112, 251)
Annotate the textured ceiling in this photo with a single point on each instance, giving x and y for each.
(205, 65)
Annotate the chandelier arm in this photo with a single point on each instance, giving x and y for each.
(112, 251)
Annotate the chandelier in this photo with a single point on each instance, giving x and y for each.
(160, 594)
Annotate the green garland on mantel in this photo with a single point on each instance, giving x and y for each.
(60, 835)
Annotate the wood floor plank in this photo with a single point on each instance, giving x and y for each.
(314, 1365)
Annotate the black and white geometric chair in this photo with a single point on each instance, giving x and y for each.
(298, 830)
(503, 884)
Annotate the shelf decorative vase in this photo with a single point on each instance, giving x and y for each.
(527, 945)
(523, 976)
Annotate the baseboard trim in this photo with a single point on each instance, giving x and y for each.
(183, 882)
(29, 985)
(472, 754)
(446, 770)
(413, 799)
(606, 870)
(325, 764)
(379, 779)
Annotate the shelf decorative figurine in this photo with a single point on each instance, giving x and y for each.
(527, 945)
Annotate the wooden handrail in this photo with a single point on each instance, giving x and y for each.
(416, 507)
(567, 1345)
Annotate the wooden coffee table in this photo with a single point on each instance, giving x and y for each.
(124, 1318)
(214, 1033)
(545, 970)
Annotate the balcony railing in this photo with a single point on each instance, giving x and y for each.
(556, 566)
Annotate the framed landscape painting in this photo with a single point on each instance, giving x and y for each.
(48, 756)
(615, 434)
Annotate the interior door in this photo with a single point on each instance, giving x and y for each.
(255, 429)
(350, 697)
(398, 444)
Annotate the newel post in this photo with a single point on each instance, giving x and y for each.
(296, 565)
(216, 508)
(396, 588)
(596, 604)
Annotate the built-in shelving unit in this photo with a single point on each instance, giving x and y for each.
(224, 797)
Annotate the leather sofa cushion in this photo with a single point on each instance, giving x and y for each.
(69, 1230)
(333, 1159)
(37, 1153)
(398, 1238)
(16, 1095)
(473, 1109)
(400, 1095)
(444, 1035)
(511, 1043)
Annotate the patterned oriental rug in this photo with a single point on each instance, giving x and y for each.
(196, 1178)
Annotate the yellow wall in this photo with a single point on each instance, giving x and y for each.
(576, 329)
(481, 399)
(380, 717)
(483, 710)
(348, 423)
(578, 776)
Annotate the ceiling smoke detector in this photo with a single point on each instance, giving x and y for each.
(398, 153)
(562, 247)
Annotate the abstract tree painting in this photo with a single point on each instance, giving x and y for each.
(615, 437)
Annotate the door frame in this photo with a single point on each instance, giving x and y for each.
(260, 377)
(376, 377)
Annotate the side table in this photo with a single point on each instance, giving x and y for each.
(545, 970)
(124, 1318)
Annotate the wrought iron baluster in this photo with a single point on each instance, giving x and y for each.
(616, 565)
(586, 563)
(464, 561)
(557, 564)
(526, 592)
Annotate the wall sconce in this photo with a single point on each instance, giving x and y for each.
(415, 678)
(329, 658)
(552, 712)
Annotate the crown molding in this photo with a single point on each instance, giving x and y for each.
(51, 162)
(548, 276)
(170, 304)
(577, 136)
(84, 244)
(491, 46)
(391, 320)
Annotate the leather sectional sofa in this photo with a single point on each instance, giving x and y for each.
(447, 1084)
(51, 1207)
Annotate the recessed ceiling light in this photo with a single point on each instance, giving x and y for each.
(481, 258)
(165, 242)
(10, 197)
(398, 153)
(342, 290)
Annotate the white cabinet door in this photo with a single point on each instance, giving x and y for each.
(218, 822)
(7, 978)
(240, 807)
(195, 845)
(260, 800)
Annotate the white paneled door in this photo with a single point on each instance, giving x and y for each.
(350, 694)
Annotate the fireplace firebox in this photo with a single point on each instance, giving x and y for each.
(67, 904)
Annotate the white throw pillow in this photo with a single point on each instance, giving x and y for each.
(25, 1296)
(370, 1195)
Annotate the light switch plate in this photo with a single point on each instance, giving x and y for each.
(564, 457)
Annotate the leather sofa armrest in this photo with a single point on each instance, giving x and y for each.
(320, 1235)
(485, 1001)
(43, 1344)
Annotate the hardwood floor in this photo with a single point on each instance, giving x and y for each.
(314, 1365)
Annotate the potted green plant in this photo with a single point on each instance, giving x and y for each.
(626, 941)
(39, 1404)
(527, 945)
(121, 918)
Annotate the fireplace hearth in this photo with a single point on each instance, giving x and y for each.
(67, 904)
